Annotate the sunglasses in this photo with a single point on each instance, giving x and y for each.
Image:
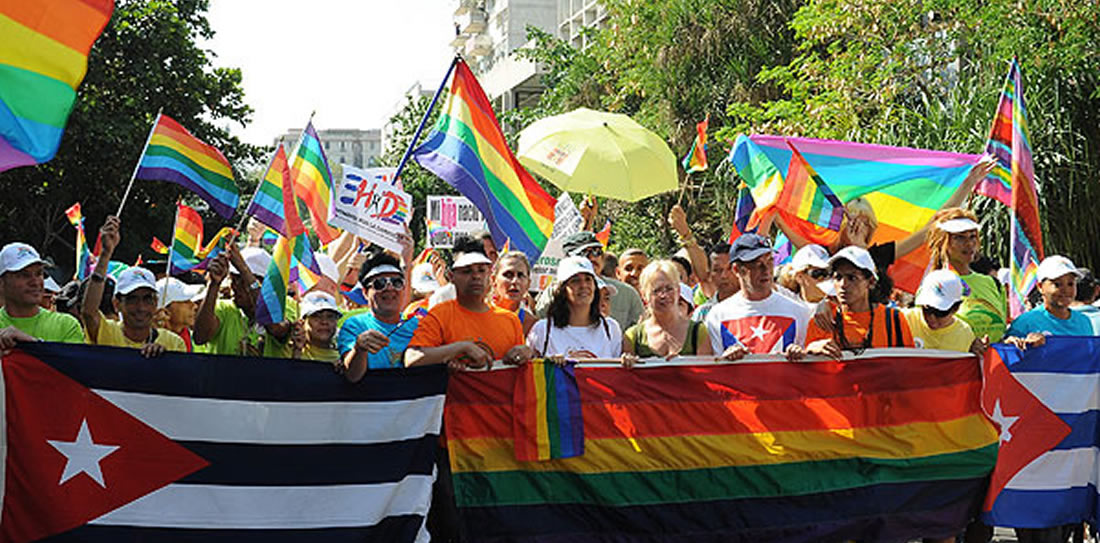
(379, 283)
(819, 274)
(938, 313)
(592, 252)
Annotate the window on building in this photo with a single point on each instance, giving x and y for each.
(326, 145)
(343, 145)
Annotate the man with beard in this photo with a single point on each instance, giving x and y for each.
(22, 318)
(377, 339)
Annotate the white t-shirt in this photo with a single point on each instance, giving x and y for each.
(578, 341)
(766, 326)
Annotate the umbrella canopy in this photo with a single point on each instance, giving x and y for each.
(604, 154)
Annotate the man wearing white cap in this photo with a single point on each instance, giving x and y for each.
(377, 339)
(314, 334)
(933, 321)
(178, 305)
(468, 331)
(228, 326)
(1057, 282)
(22, 318)
(50, 290)
(135, 299)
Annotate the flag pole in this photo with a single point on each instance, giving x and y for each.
(270, 161)
(424, 120)
(137, 166)
(290, 163)
(172, 243)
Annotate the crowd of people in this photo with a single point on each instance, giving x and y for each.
(471, 307)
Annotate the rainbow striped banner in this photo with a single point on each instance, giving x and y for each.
(1009, 141)
(274, 203)
(891, 446)
(812, 202)
(467, 150)
(44, 46)
(546, 412)
(271, 303)
(696, 159)
(904, 186)
(313, 182)
(84, 260)
(174, 155)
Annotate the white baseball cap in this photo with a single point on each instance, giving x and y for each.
(469, 259)
(379, 270)
(810, 256)
(858, 256)
(941, 289)
(423, 280)
(256, 259)
(1053, 267)
(171, 290)
(318, 301)
(49, 285)
(687, 295)
(328, 266)
(958, 225)
(16, 256)
(602, 284)
(572, 265)
(134, 278)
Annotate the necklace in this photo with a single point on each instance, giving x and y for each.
(868, 338)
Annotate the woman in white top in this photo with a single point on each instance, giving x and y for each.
(573, 327)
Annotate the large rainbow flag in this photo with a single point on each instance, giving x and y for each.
(467, 150)
(313, 182)
(889, 447)
(174, 155)
(274, 203)
(44, 46)
(1010, 143)
(905, 186)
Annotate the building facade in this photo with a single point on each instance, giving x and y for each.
(359, 148)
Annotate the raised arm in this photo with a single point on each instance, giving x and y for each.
(93, 296)
(206, 322)
(677, 218)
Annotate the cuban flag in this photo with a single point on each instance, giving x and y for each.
(760, 334)
(1046, 402)
(103, 445)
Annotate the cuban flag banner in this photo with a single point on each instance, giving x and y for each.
(1046, 402)
(103, 445)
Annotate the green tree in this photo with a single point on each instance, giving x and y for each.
(147, 59)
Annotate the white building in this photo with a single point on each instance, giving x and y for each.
(416, 91)
(574, 16)
(360, 148)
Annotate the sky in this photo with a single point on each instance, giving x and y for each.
(350, 60)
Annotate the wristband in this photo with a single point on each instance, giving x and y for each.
(98, 277)
(255, 285)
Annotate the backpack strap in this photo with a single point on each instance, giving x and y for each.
(897, 328)
(693, 331)
(546, 341)
(886, 324)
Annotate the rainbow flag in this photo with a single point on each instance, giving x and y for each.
(812, 202)
(604, 236)
(904, 186)
(1009, 141)
(312, 180)
(84, 260)
(696, 159)
(271, 303)
(44, 46)
(467, 150)
(158, 246)
(305, 269)
(274, 203)
(187, 252)
(744, 211)
(174, 155)
(881, 448)
(546, 412)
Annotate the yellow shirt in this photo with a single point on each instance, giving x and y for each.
(110, 334)
(956, 337)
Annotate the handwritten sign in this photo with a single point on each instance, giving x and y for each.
(368, 204)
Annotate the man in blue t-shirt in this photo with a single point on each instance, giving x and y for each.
(1057, 282)
(377, 339)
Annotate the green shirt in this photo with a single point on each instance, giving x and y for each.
(46, 325)
(236, 335)
(986, 308)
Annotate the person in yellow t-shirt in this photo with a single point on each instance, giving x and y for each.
(136, 300)
(313, 337)
(933, 322)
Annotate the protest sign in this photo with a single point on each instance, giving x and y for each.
(567, 218)
(567, 221)
(368, 204)
(450, 215)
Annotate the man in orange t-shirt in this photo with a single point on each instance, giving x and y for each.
(467, 331)
(860, 323)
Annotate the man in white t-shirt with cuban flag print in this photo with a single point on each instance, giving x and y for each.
(757, 319)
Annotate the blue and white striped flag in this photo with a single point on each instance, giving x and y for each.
(103, 445)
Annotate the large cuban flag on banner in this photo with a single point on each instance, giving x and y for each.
(103, 445)
(1046, 402)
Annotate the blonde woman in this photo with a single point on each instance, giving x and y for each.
(664, 330)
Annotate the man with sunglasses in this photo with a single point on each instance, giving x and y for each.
(626, 304)
(21, 317)
(135, 299)
(377, 339)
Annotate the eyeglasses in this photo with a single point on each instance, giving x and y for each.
(379, 283)
(592, 252)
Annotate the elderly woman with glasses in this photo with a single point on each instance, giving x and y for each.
(665, 330)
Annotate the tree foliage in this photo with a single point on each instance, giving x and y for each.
(147, 59)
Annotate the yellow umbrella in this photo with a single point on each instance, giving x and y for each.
(604, 154)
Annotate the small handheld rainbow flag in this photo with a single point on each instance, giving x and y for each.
(174, 155)
(187, 252)
(271, 304)
(813, 202)
(746, 206)
(44, 46)
(604, 236)
(696, 159)
(274, 203)
(159, 246)
(312, 180)
(546, 412)
(84, 260)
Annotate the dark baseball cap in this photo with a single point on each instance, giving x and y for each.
(749, 247)
(575, 244)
